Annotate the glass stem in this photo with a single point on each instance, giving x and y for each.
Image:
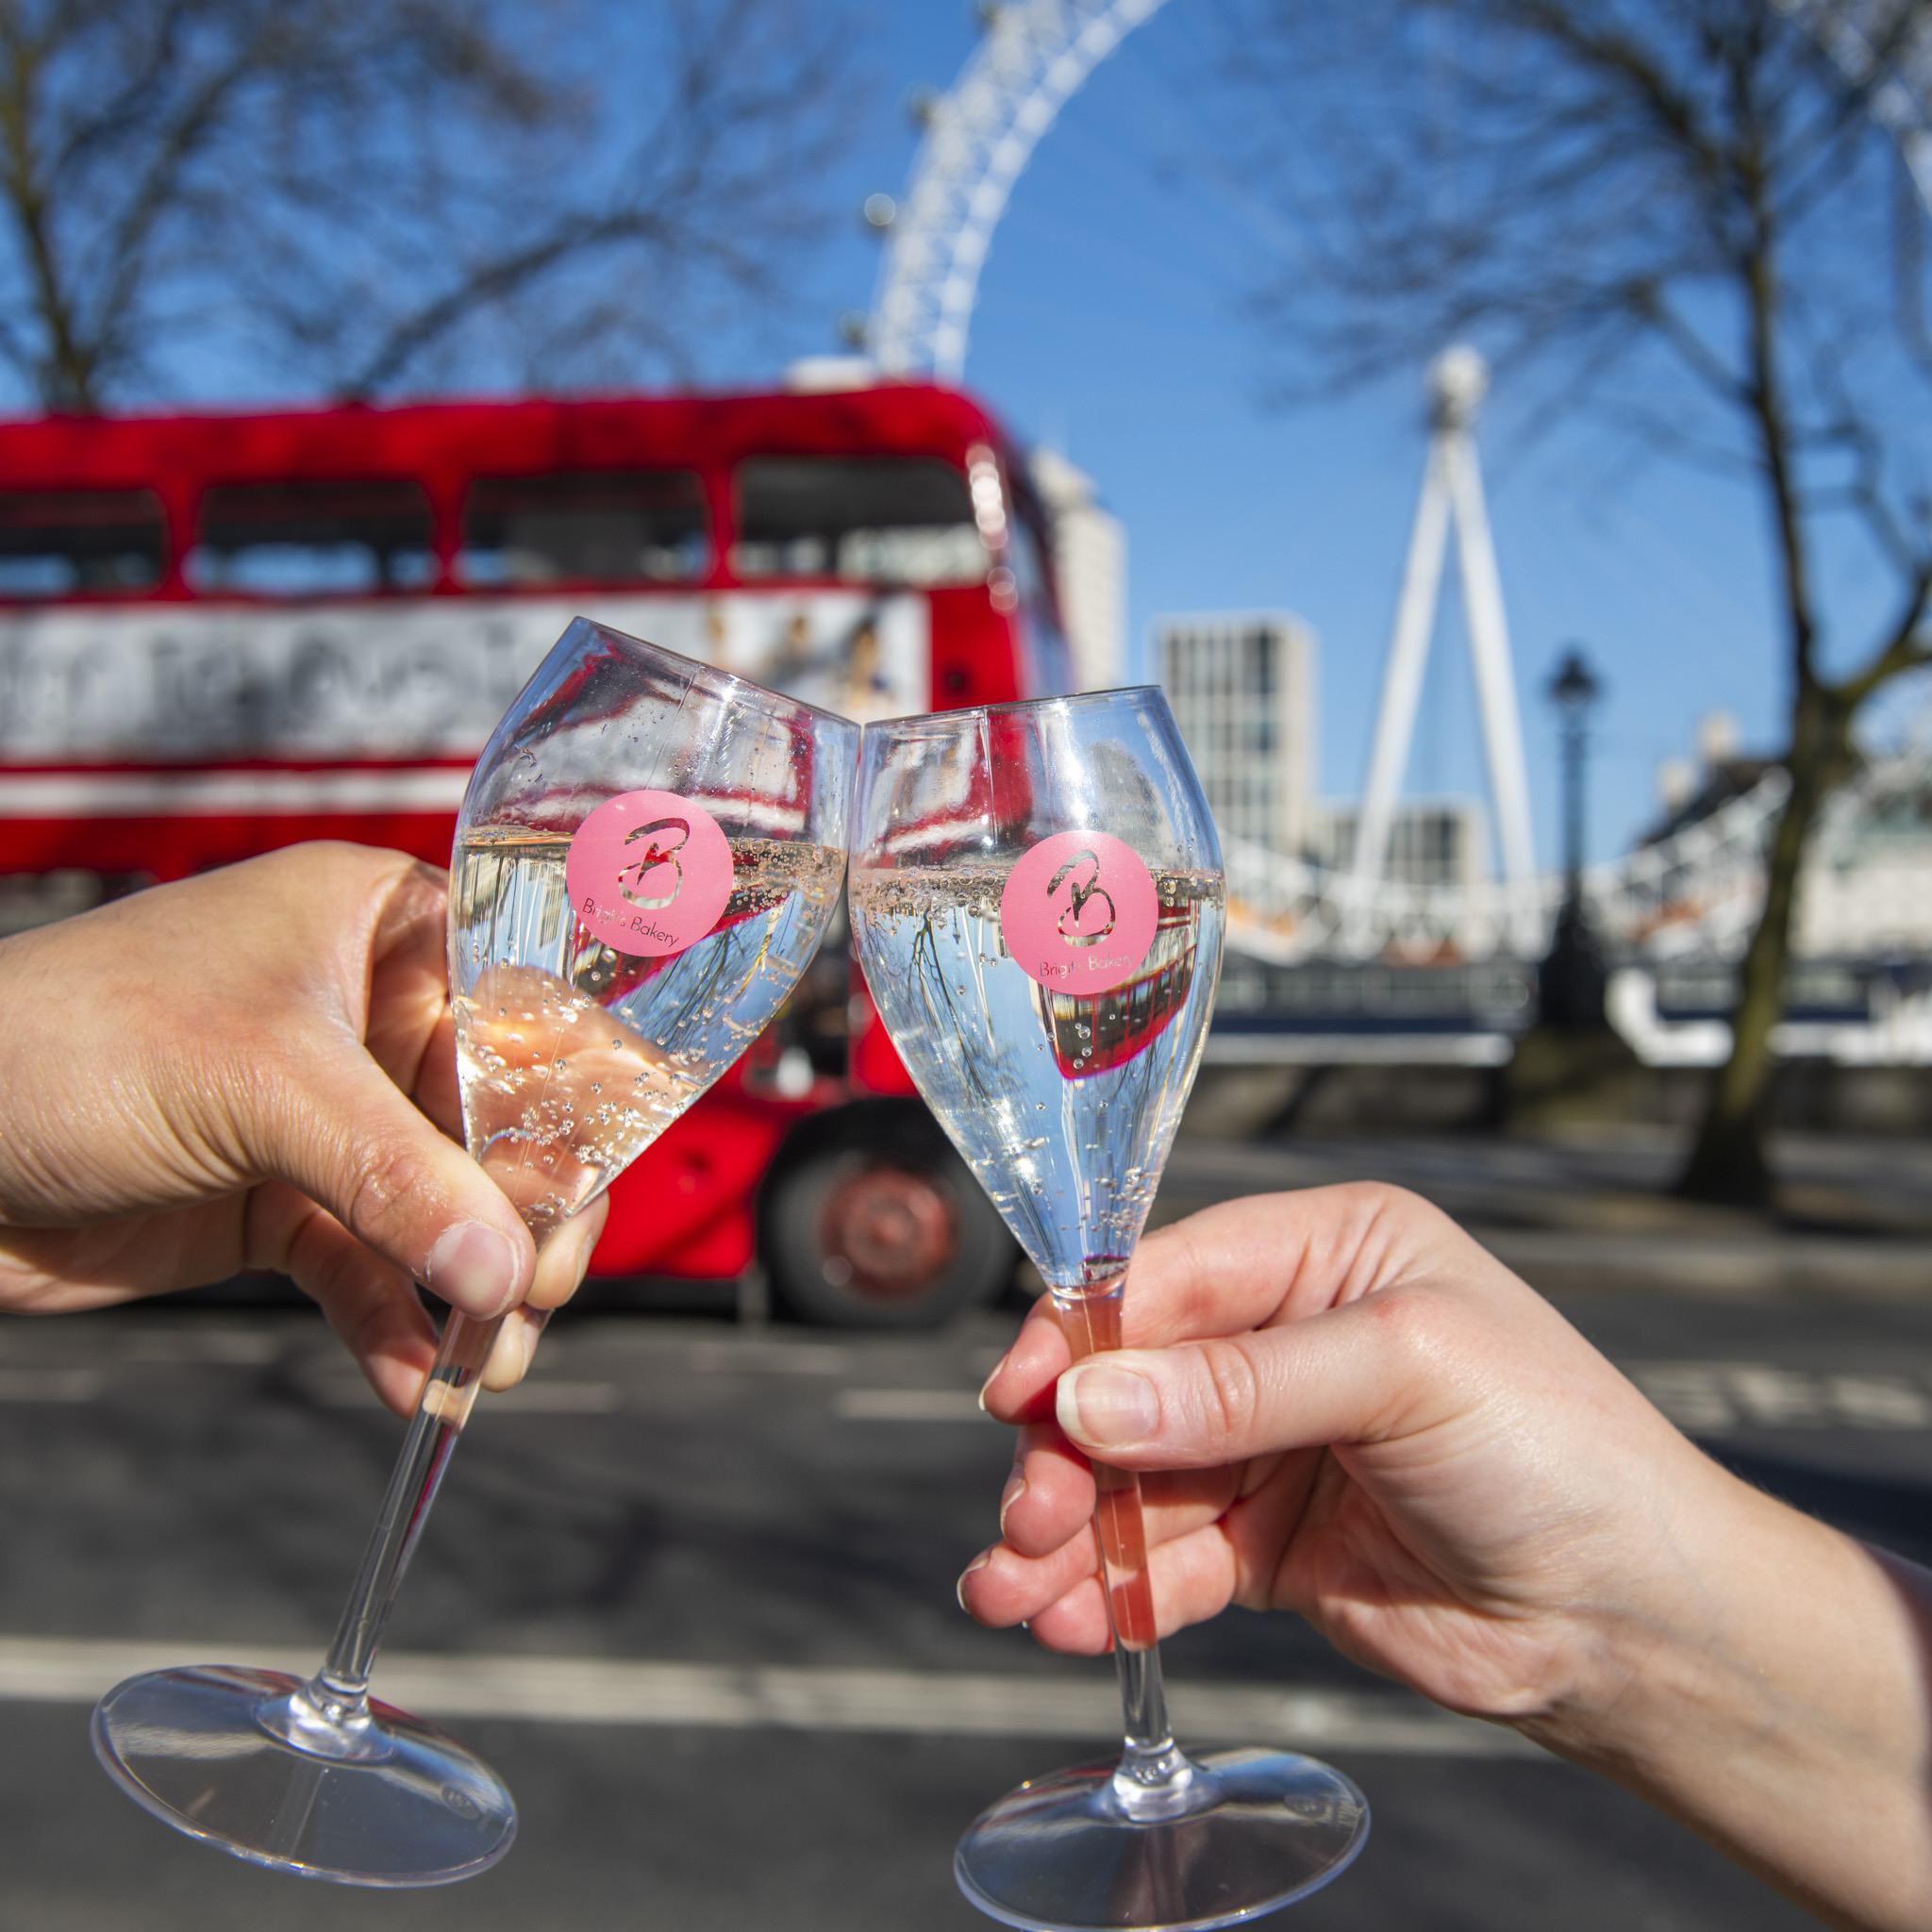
(341, 1687)
(1154, 1777)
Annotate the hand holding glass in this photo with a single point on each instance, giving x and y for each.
(1038, 903)
(648, 855)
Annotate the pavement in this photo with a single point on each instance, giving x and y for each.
(1854, 1215)
(690, 1590)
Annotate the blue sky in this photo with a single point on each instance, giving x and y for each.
(1109, 322)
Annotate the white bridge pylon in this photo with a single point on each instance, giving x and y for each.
(1452, 492)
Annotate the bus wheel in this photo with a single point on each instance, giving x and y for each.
(889, 1233)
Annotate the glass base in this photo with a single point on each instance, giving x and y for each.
(246, 1760)
(1251, 1831)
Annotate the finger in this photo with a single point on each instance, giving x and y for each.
(1380, 1367)
(435, 1089)
(1020, 1389)
(371, 1306)
(1053, 1500)
(1000, 1588)
(407, 964)
(564, 1259)
(1259, 1526)
(1192, 1579)
(1235, 1266)
(514, 1348)
(1049, 1494)
(341, 1131)
(1241, 1264)
(1003, 1586)
(562, 1265)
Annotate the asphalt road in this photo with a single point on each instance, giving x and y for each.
(691, 1593)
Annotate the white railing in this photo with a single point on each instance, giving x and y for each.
(1698, 892)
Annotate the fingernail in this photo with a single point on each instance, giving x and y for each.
(1015, 1489)
(475, 1269)
(979, 1562)
(1113, 1408)
(988, 1382)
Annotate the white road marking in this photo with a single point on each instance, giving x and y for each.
(1713, 1398)
(540, 1397)
(51, 1385)
(1710, 1398)
(906, 1406)
(752, 1357)
(624, 1691)
(227, 1348)
(1721, 1265)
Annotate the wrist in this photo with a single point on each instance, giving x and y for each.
(1678, 1649)
(24, 1048)
(1765, 1688)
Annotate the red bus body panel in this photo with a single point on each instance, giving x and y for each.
(688, 1206)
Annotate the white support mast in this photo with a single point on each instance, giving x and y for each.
(1451, 489)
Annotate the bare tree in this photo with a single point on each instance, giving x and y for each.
(1679, 213)
(365, 195)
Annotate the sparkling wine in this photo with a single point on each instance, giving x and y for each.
(574, 1057)
(1063, 1105)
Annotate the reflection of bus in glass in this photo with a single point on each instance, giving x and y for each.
(1096, 1035)
(221, 634)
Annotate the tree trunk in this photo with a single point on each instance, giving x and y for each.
(1729, 1161)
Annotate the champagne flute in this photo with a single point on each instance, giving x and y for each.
(1048, 984)
(648, 853)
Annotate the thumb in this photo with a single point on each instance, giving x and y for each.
(1357, 1373)
(352, 1141)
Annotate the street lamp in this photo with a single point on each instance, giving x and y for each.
(1574, 689)
(1571, 984)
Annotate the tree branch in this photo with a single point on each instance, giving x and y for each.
(1906, 648)
(489, 282)
(67, 370)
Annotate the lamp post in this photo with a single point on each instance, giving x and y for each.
(1570, 984)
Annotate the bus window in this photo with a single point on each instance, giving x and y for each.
(314, 539)
(867, 520)
(68, 542)
(604, 526)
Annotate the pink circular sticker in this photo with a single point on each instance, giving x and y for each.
(1078, 911)
(649, 873)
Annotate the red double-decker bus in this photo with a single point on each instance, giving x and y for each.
(222, 633)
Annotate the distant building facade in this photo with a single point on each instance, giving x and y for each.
(1865, 889)
(1089, 559)
(1242, 687)
(1432, 842)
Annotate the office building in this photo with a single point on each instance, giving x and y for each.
(1089, 559)
(1432, 842)
(1242, 687)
